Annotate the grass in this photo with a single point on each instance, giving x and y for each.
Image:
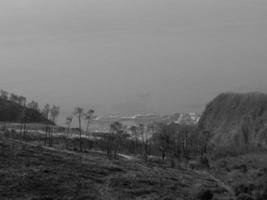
(32, 172)
(246, 174)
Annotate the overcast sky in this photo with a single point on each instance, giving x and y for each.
(132, 56)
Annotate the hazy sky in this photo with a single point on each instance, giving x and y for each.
(132, 56)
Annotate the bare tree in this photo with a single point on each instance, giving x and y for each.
(89, 116)
(79, 112)
(205, 140)
(161, 139)
(46, 111)
(145, 141)
(133, 129)
(54, 112)
(246, 128)
(114, 139)
(68, 122)
(166, 138)
(23, 129)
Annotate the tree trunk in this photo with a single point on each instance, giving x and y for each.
(136, 139)
(46, 132)
(69, 129)
(87, 128)
(51, 130)
(80, 129)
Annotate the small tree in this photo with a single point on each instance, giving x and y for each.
(68, 122)
(78, 111)
(143, 134)
(134, 129)
(114, 140)
(205, 140)
(46, 111)
(166, 139)
(23, 122)
(246, 126)
(89, 116)
(54, 112)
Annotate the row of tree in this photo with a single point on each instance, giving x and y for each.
(170, 141)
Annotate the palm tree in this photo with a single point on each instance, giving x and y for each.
(79, 112)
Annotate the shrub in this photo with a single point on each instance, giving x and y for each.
(244, 196)
(204, 195)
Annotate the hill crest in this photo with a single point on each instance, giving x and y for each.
(225, 116)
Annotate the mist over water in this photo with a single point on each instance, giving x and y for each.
(127, 57)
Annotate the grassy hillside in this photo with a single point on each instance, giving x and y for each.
(13, 112)
(30, 172)
(225, 116)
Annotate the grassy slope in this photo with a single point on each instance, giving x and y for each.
(246, 174)
(32, 172)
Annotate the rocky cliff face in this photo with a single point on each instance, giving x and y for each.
(230, 116)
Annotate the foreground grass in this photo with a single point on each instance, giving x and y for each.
(245, 174)
(33, 172)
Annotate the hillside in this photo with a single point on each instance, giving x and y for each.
(30, 171)
(229, 113)
(13, 112)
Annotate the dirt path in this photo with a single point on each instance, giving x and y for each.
(220, 183)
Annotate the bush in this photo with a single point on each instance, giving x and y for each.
(204, 195)
(244, 196)
(245, 188)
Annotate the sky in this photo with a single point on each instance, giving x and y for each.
(124, 57)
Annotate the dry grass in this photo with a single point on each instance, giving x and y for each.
(31, 172)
